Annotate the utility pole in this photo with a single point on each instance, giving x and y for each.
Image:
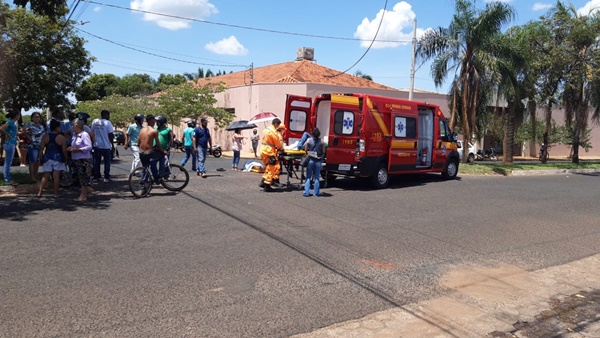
(412, 62)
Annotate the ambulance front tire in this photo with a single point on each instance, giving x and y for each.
(451, 170)
(381, 178)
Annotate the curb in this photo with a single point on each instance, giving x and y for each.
(553, 172)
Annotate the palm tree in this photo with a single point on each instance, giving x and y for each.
(195, 76)
(466, 48)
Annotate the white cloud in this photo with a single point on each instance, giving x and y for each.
(194, 9)
(394, 22)
(538, 6)
(97, 9)
(590, 8)
(228, 46)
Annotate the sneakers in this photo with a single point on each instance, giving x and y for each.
(106, 180)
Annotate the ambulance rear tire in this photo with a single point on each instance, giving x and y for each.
(451, 170)
(381, 178)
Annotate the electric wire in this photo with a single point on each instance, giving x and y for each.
(369, 48)
(239, 26)
(156, 55)
(73, 10)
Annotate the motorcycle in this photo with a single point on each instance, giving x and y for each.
(216, 150)
(541, 155)
(487, 155)
(178, 145)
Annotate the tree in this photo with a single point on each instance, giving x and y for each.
(192, 101)
(41, 61)
(53, 9)
(582, 77)
(166, 81)
(96, 87)
(122, 108)
(466, 48)
(364, 76)
(135, 85)
(195, 76)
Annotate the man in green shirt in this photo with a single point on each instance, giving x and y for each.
(165, 138)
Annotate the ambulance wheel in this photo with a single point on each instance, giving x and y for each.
(451, 170)
(382, 178)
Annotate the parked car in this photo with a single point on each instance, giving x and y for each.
(472, 151)
(119, 137)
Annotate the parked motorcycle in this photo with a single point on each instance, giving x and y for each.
(487, 155)
(216, 150)
(541, 155)
(178, 145)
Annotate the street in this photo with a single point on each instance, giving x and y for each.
(224, 259)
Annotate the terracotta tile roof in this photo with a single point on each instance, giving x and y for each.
(295, 72)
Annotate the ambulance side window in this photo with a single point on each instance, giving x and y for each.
(405, 127)
(343, 122)
(297, 120)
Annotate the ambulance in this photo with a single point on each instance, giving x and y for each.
(375, 137)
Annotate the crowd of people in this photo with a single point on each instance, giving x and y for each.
(82, 150)
(59, 146)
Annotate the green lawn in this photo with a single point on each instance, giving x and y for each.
(497, 168)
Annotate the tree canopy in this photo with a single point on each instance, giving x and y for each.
(42, 61)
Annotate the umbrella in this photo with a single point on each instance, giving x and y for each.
(241, 124)
(262, 117)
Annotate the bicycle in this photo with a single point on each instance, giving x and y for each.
(141, 180)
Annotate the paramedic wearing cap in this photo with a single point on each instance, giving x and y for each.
(202, 142)
(268, 152)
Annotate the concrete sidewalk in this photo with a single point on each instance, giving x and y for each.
(500, 301)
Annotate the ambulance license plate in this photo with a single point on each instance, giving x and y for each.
(345, 167)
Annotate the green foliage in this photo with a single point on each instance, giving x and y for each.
(53, 9)
(96, 87)
(191, 101)
(41, 61)
(166, 81)
(524, 133)
(122, 108)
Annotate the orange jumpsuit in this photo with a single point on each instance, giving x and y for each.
(270, 145)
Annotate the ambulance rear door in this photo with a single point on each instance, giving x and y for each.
(343, 133)
(297, 117)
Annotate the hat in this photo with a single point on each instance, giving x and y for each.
(281, 127)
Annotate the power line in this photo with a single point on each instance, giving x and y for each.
(132, 68)
(372, 42)
(73, 10)
(137, 64)
(238, 26)
(154, 54)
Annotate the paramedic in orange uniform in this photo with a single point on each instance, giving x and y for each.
(280, 130)
(271, 144)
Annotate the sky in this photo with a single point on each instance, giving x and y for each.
(127, 38)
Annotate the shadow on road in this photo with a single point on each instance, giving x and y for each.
(396, 182)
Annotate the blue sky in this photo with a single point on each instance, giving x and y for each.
(235, 34)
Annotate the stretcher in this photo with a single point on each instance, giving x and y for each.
(290, 160)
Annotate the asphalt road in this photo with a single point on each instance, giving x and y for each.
(224, 259)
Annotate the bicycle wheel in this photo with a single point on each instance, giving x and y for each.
(177, 179)
(140, 182)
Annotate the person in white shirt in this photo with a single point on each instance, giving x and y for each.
(103, 132)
